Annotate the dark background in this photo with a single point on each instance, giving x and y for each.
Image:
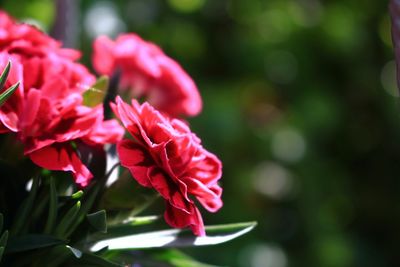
(300, 104)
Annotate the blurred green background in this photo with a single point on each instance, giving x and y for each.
(300, 103)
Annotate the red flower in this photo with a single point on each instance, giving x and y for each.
(149, 72)
(168, 157)
(47, 111)
(50, 146)
(42, 55)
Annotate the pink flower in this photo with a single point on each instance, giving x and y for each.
(47, 111)
(149, 72)
(47, 120)
(168, 157)
(42, 55)
(50, 147)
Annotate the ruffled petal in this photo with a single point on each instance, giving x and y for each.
(135, 159)
(179, 219)
(106, 132)
(103, 55)
(209, 197)
(62, 158)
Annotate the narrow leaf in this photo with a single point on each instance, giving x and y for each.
(53, 204)
(56, 255)
(77, 195)
(67, 220)
(80, 258)
(98, 220)
(121, 227)
(7, 93)
(3, 239)
(4, 74)
(39, 209)
(176, 238)
(25, 208)
(86, 206)
(77, 253)
(139, 220)
(31, 241)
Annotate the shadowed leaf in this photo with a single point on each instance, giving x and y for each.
(51, 219)
(25, 208)
(32, 241)
(77, 253)
(98, 220)
(67, 220)
(89, 259)
(3, 239)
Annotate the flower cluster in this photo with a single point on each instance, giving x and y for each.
(47, 111)
(168, 157)
(149, 73)
(48, 115)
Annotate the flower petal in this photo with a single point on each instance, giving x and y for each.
(62, 158)
(135, 159)
(179, 219)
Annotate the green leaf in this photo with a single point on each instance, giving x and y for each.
(3, 239)
(56, 255)
(31, 241)
(138, 220)
(77, 195)
(98, 220)
(67, 220)
(86, 206)
(80, 259)
(25, 208)
(176, 238)
(77, 253)
(4, 74)
(53, 205)
(124, 225)
(96, 93)
(39, 210)
(7, 93)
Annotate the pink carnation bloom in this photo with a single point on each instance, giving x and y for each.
(47, 111)
(149, 72)
(168, 157)
(42, 55)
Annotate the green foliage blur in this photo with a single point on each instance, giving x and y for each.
(301, 105)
